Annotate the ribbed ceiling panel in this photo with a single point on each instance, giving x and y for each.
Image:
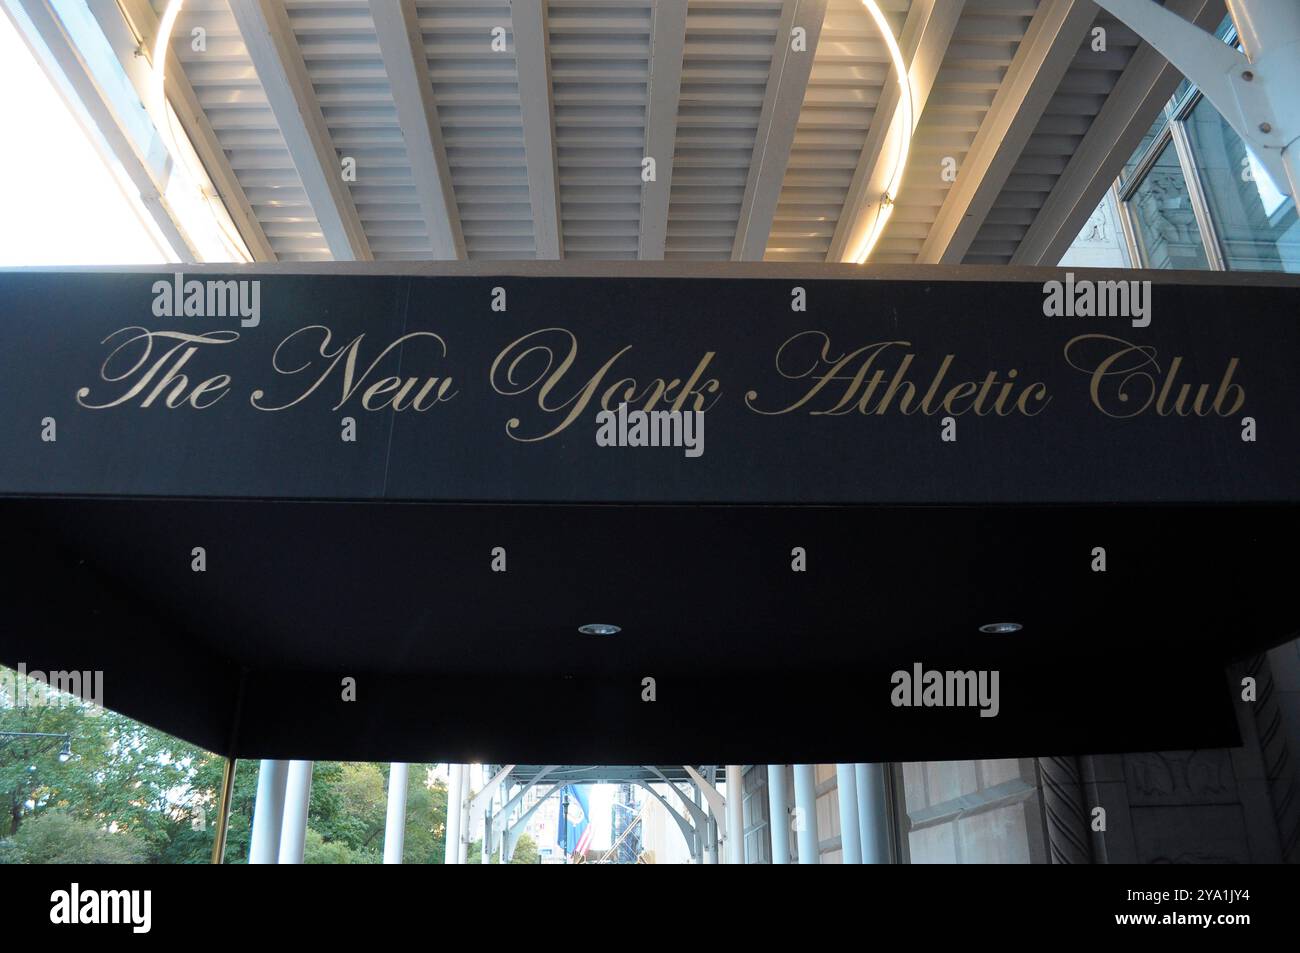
(982, 48)
(477, 93)
(337, 40)
(848, 74)
(600, 70)
(228, 89)
(725, 67)
(1068, 116)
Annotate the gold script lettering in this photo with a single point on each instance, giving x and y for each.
(165, 369)
(512, 374)
(348, 355)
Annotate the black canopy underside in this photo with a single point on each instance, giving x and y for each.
(752, 661)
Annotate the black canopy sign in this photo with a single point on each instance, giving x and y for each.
(487, 388)
(406, 481)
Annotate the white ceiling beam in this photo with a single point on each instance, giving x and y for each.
(787, 81)
(1050, 44)
(924, 43)
(54, 49)
(397, 29)
(533, 65)
(1141, 91)
(667, 43)
(143, 21)
(268, 35)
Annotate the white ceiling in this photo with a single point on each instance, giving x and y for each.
(535, 151)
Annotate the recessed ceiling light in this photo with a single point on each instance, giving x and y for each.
(599, 628)
(1001, 628)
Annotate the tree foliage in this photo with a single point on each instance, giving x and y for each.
(525, 851)
(130, 794)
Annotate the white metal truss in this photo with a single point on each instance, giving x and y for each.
(1254, 91)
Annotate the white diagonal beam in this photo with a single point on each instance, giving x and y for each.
(397, 28)
(717, 803)
(787, 81)
(268, 36)
(1138, 95)
(476, 805)
(696, 812)
(926, 35)
(503, 815)
(1225, 75)
(139, 14)
(1057, 30)
(667, 42)
(516, 830)
(685, 826)
(533, 65)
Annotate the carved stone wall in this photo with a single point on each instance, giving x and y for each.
(1238, 805)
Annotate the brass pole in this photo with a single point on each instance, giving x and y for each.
(223, 811)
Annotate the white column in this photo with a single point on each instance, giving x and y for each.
(735, 815)
(297, 802)
(268, 812)
(466, 822)
(395, 819)
(850, 833)
(701, 828)
(873, 813)
(455, 793)
(778, 809)
(488, 803)
(805, 803)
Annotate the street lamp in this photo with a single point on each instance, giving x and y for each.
(65, 751)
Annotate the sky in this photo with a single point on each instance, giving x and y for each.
(59, 203)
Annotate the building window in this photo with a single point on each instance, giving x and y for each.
(1194, 196)
(970, 812)
(1163, 219)
(1255, 224)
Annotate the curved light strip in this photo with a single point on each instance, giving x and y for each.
(159, 75)
(904, 118)
(163, 123)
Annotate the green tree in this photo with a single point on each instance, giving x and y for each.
(525, 851)
(120, 772)
(58, 838)
(163, 794)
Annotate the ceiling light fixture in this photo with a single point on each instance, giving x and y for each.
(1001, 628)
(599, 628)
(903, 122)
